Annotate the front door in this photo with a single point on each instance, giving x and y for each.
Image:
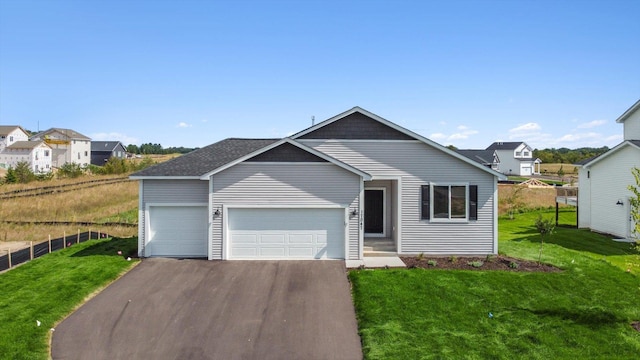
(374, 203)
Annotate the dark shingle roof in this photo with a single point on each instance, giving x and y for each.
(483, 157)
(206, 159)
(499, 145)
(104, 145)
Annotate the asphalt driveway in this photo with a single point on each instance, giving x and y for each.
(198, 309)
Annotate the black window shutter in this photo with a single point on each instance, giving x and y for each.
(473, 202)
(426, 211)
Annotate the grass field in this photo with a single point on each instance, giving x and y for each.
(583, 312)
(48, 288)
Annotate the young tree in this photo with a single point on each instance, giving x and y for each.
(10, 177)
(545, 227)
(23, 173)
(560, 173)
(512, 200)
(635, 204)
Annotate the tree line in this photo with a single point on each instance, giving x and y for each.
(568, 156)
(150, 148)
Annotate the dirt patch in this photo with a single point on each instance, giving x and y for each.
(503, 263)
(636, 325)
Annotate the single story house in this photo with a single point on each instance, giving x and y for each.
(488, 158)
(603, 196)
(322, 193)
(102, 151)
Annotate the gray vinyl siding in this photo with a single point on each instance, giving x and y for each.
(285, 184)
(169, 192)
(416, 164)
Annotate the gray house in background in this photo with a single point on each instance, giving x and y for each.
(323, 193)
(516, 158)
(102, 151)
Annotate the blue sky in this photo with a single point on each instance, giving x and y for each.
(190, 73)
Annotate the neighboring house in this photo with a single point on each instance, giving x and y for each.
(488, 158)
(68, 146)
(323, 193)
(102, 151)
(516, 158)
(10, 134)
(36, 153)
(603, 196)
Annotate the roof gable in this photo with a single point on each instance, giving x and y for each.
(27, 145)
(597, 159)
(354, 126)
(60, 133)
(635, 107)
(286, 152)
(106, 145)
(7, 129)
(484, 157)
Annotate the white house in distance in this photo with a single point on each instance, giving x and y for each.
(36, 153)
(10, 134)
(603, 196)
(68, 146)
(516, 158)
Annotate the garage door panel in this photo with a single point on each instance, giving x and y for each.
(286, 233)
(177, 231)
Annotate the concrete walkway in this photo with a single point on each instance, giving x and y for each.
(198, 309)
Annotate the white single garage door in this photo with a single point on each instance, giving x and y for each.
(177, 231)
(286, 233)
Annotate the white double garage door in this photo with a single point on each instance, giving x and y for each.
(250, 233)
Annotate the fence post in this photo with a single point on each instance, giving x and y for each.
(78, 238)
(9, 257)
(31, 245)
(49, 243)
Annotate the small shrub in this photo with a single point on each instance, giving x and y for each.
(453, 259)
(514, 265)
(490, 258)
(70, 170)
(420, 256)
(476, 264)
(432, 263)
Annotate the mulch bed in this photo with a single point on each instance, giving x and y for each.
(484, 263)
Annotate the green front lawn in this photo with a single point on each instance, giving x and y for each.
(583, 312)
(48, 288)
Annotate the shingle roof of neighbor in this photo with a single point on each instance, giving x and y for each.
(104, 145)
(6, 129)
(25, 145)
(480, 156)
(512, 145)
(206, 159)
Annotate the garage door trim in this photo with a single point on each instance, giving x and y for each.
(147, 223)
(226, 246)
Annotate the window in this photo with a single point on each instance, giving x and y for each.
(46, 153)
(78, 156)
(526, 154)
(10, 138)
(518, 153)
(86, 153)
(451, 202)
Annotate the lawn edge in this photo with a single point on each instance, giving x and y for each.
(85, 300)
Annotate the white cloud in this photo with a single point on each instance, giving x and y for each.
(464, 133)
(579, 137)
(614, 139)
(526, 128)
(462, 127)
(115, 136)
(183, 124)
(592, 124)
(436, 136)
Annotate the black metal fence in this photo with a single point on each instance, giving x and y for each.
(17, 257)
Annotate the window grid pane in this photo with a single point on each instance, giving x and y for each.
(441, 202)
(458, 202)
